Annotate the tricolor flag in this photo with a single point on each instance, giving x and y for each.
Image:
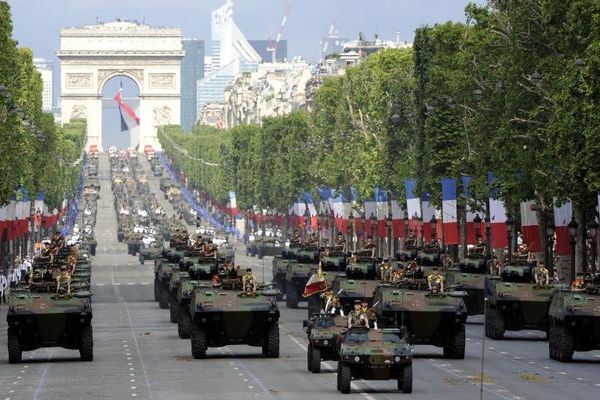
(428, 212)
(529, 226)
(562, 217)
(497, 218)
(449, 214)
(341, 209)
(11, 217)
(381, 200)
(370, 210)
(312, 211)
(324, 195)
(413, 206)
(296, 212)
(470, 216)
(397, 219)
(129, 118)
(232, 204)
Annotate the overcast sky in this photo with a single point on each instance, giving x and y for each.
(37, 22)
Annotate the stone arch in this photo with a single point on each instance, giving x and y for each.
(106, 75)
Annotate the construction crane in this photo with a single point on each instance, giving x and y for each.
(272, 47)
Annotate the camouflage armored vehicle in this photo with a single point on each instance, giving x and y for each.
(231, 315)
(150, 252)
(374, 355)
(515, 303)
(470, 278)
(361, 266)
(350, 290)
(574, 323)
(323, 331)
(280, 264)
(297, 274)
(269, 246)
(184, 295)
(334, 261)
(436, 319)
(408, 252)
(177, 276)
(163, 268)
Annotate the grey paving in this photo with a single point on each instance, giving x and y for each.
(138, 353)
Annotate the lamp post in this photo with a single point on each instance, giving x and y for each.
(573, 226)
(510, 223)
(593, 231)
(550, 228)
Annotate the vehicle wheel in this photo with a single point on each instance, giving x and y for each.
(156, 290)
(280, 283)
(198, 340)
(338, 376)
(405, 383)
(93, 250)
(14, 347)
(184, 323)
(291, 296)
(553, 344)
(86, 344)
(455, 347)
(173, 309)
(494, 324)
(564, 350)
(163, 297)
(345, 378)
(271, 345)
(141, 259)
(314, 355)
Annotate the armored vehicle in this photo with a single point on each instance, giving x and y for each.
(269, 246)
(470, 278)
(298, 273)
(574, 323)
(431, 318)
(177, 277)
(323, 331)
(515, 303)
(184, 295)
(280, 264)
(350, 290)
(232, 315)
(429, 256)
(374, 355)
(408, 252)
(361, 266)
(163, 268)
(149, 253)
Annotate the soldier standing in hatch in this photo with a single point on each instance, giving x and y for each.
(357, 317)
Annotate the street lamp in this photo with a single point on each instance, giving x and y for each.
(593, 230)
(510, 223)
(433, 226)
(573, 226)
(550, 228)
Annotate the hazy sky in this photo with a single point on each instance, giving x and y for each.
(37, 22)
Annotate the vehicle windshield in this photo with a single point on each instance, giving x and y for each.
(391, 338)
(357, 337)
(324, 323)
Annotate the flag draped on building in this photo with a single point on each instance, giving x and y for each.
(529, 226)
(449, 213)
(562, 217)
(129, 118)
(499, 234)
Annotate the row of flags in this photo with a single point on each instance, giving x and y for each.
(420, 211)
(16, 216)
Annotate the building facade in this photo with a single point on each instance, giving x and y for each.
(46, 70)
(192, 71)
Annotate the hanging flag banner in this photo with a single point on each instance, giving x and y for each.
(497, 218)
(529, 226)
(429, 211)
(381, 200)
(449, 213)
(562, 217)
(370, 210)
(129, 118)
(413, 207)
(471, 214)
(341, 210)
(398, 229)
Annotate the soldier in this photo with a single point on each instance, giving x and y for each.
(357, 317)
(479, 246)
(340, 243)
(435, 281)
(370, 245)
(249, 282)
(63, 276)
(448, 262)
(3, 286)
(495, 267)
(397, 276)
(385, 271)
(541, 275)
(579, 283)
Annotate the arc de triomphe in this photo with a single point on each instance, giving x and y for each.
(91, 55)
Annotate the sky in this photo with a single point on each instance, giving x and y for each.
(37, 24)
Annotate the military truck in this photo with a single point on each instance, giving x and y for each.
(322, 331)
(574, 318)
(515, 303)
(374, 355)
(430, 318)
(231, 316)
(297, 274)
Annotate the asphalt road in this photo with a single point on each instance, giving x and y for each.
(137, 353)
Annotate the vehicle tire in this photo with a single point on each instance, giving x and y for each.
(291, 296)
(405, 383)
(163, 297)
(184, 323)
(156, 290)
(338, 386)
(314, 355)
(173, 309)
(14, 347)
(566, 348)
(553, 343)
(280, 283)
(141, 259)
(93, 250)
(271, 345)
(455, 347)
(198, 340)
(494, 324)
(86, 344)
(345, 378)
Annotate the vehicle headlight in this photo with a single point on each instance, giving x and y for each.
(397, 359)
(356, 359)
(325, 342)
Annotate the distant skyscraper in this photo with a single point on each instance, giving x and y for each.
(192, 71)
(230, 54)
(46, 69)
(261, 47)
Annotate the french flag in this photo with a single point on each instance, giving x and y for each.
(497, 218)
(449, 214)
(232, 205)
(129, 118)
(562, 217)
(470, 216)
(296, 211)
(428, 212)
(324, 195)
(341, 210)
(312, 211)
(413, 206)
(529, 226)
(381, 201)
(397, 219)
(370, 209)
